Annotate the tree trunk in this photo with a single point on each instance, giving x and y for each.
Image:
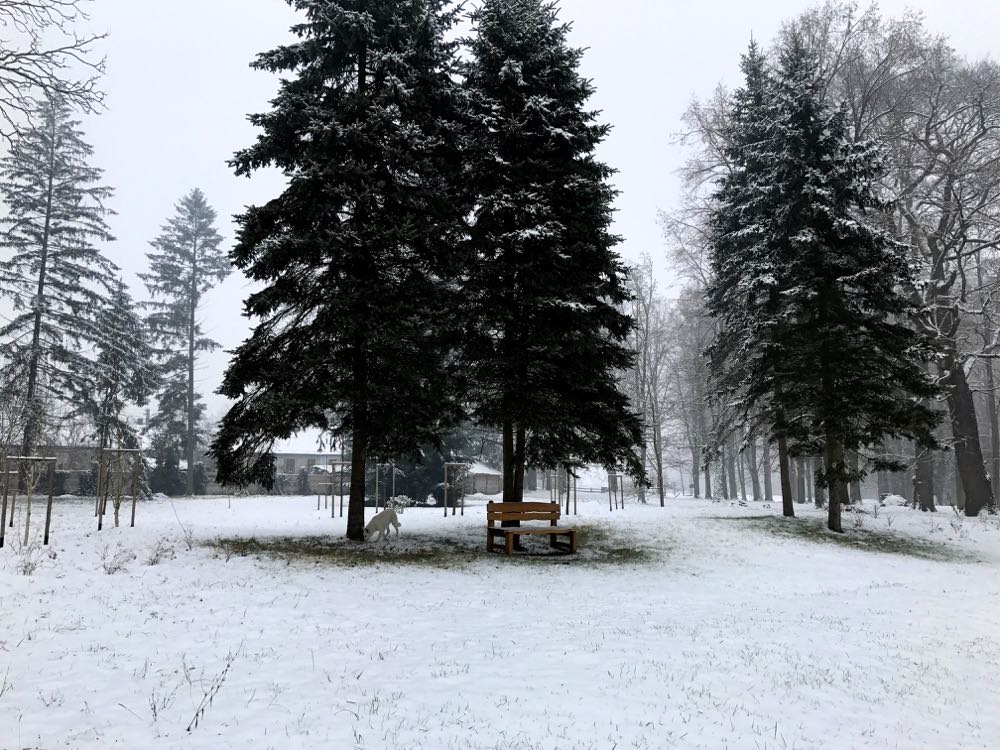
(508, 461)
(731, 470)
(834, 470)
(192, 323)
(740, 464)
(356, 498)
(801, 482)
(723, 482)
(359, 445)
(784, 469)
(658, 459)
(991, 402)
(519, 455)
(708, 479)
(695, 473)
(752, 466)
(965, 431)
(641, 490)
(855, 489)
(768, 490)
(32, 404)
(923, 481)
(959, 490)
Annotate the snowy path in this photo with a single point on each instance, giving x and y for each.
(729, 636)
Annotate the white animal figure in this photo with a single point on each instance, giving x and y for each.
(380, 525)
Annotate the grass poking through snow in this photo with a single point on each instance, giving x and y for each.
(870, 540)
(596, 545)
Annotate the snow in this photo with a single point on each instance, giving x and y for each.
(731, 631)
(477, 467)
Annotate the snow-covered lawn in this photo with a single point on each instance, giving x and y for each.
(728, 629)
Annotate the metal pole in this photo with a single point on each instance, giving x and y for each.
(48, 507)
(393, 465)
(376, 487)
(446, 490)
(135, 485)
(340, 490)
(574, 493)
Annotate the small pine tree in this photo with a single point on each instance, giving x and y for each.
(185, 264)
(123, 372)
(547, 335)
(54, 276)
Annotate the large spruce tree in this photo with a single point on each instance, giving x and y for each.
(358, 256)
(747, 356)
(53, 273)
(546, 340)
(851, 370)
(185, 264)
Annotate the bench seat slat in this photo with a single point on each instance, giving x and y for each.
(523, 517)
(554, 530)
(531, 506)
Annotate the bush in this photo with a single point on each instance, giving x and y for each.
(303, 482)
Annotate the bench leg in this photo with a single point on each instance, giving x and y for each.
(572, 542)
(510, 543)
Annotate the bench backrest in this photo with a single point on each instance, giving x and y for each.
(522, 512)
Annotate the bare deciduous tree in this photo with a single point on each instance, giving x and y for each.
(43, 55)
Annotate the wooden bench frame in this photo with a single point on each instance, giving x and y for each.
(526, 511)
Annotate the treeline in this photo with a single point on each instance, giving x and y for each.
(845, 196)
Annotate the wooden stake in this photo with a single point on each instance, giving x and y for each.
(48, 507)
(3, 513)
(135, 486)
(101, 481)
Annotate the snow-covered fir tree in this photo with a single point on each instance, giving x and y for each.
(547, 338)
(829, 280)
(52, 272)
(747, 356)
(358, 256)
(185, 264)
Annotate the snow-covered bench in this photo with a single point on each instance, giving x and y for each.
(526, 512)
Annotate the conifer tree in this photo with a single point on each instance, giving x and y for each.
(123, 372)
(547, 337)
(53, 273)
(851, 370)
(746, 358)
(185, 264)
(358, 257)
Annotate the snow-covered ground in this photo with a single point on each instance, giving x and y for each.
(730, 628)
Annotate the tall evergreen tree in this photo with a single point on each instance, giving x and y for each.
(357, 256)
(547, 336)
(55, 276)
(852, 372)
(747, 355)
(185, 264)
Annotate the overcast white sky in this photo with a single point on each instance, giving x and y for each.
(179, 88)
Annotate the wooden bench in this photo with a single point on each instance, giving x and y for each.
(525, 512)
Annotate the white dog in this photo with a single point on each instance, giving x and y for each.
(380, 525)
